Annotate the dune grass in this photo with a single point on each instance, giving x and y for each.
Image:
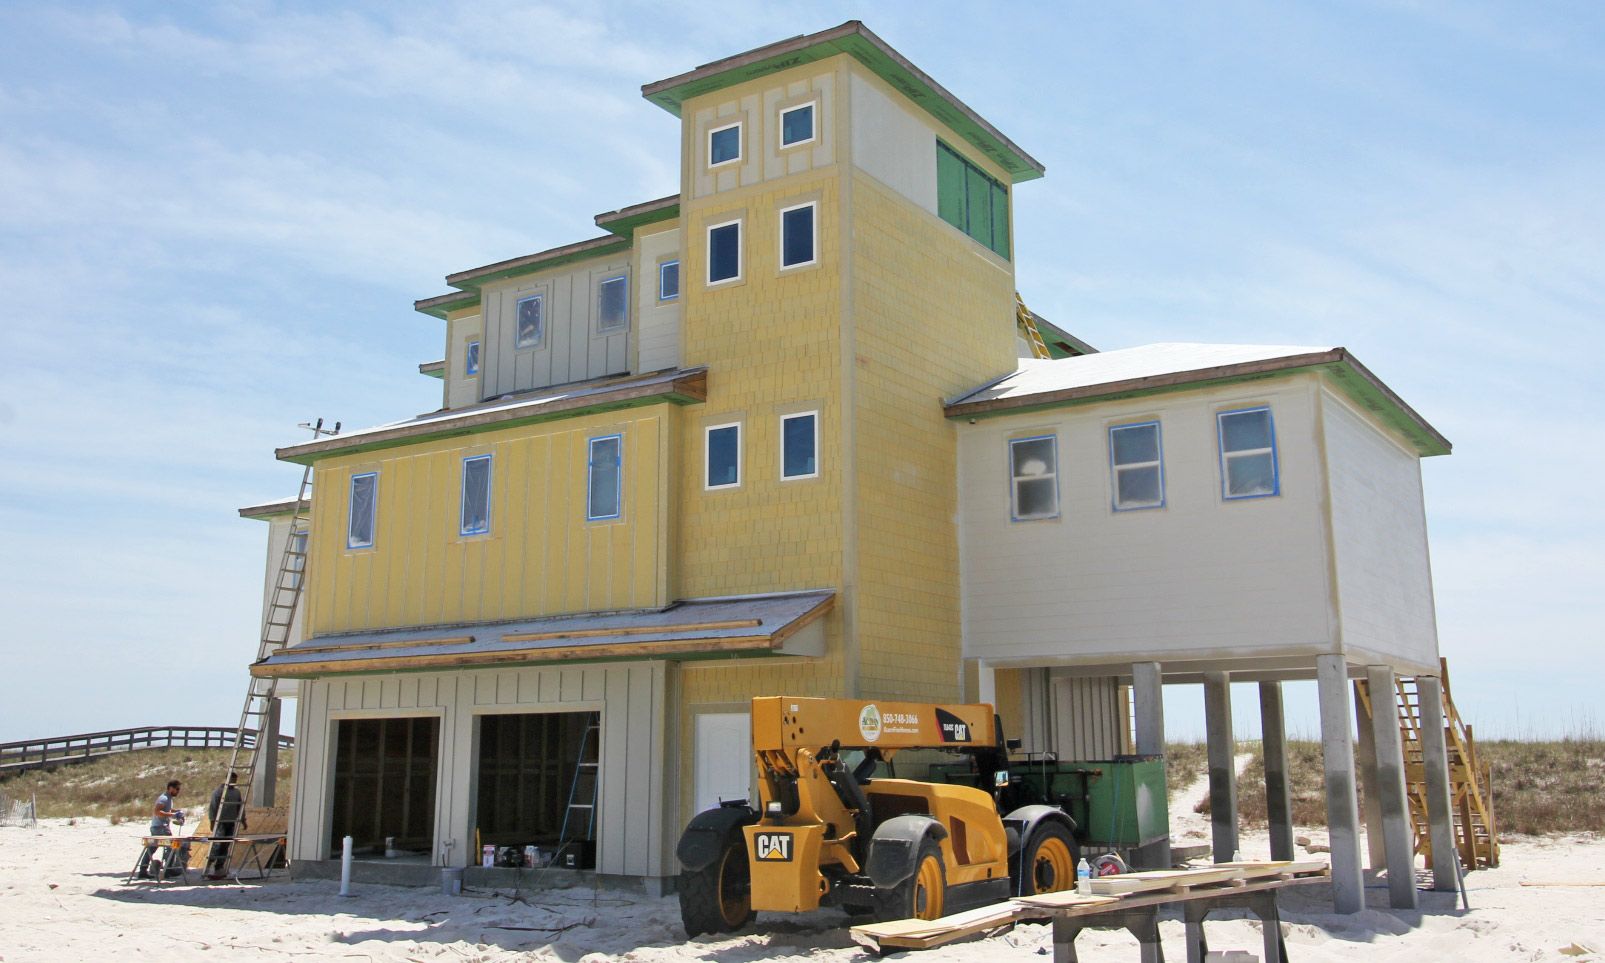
(1185, 762)
(124, 786)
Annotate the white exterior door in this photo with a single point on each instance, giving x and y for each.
(722, 758)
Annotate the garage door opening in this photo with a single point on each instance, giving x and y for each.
(384, 787)
(535, 771)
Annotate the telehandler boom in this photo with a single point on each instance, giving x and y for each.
(827, 833)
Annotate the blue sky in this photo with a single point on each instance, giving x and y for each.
(214, 219)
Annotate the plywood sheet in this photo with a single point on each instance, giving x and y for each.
(1161, 880)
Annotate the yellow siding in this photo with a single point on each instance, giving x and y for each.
(541, 557)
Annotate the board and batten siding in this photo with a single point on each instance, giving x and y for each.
(658, 343)
(541, 557)
(1078, 719)
(1379, 540)
(462, 389)
(571, 347)
(1202, 577)
(632, 836)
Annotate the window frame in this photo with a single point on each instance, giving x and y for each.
(813, 124)
(813, 414)
(707, 453)
(462, 495)
(618, 481)
(623, 324)
(663, 266)
(813, 256)
(1225, 457)
(1014, 480)
(373, 517)
(740, 145)
(739, 223)
(471, 362)
(1115, 467)
(540, 327)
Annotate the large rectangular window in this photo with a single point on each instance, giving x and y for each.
(799, 243)
(723, 456)
(797, 125)
(799, 445)
(1248, 453)
(724, 144)
(1136, 462)
(605, 478)
(1034, 477)
(363, 510)
(531, 321)
(612, 304)
(471, 359)
(383, 795)
(724, 252)
(971, 200)
(476, 495)
(668, 280)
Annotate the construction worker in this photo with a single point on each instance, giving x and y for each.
(227, 810)
(163, 815)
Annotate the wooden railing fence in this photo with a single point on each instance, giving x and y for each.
(62, 750)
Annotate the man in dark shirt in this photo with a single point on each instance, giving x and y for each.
(227, 810)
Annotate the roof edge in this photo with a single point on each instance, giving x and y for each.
(441, 305)
(284, 506)
(473, 279)
(625, 220)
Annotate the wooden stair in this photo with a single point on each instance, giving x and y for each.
(1476, 829)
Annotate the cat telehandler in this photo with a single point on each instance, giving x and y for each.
(829, 832)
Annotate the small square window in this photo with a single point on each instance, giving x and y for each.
(798, 240)
(797, 125)
(724, 145)
(668, 280)
(612, 304)
(471, 359)
(799, 445)
(605, 478)
(475, 518)
(1137, 463)
(1034, 471)
(724, 252)
(363, 510)
(531, 322)
(724, 456)
(1248, 454)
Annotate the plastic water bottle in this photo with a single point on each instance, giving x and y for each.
(1084, 878)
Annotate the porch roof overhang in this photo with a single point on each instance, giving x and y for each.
(736, 626)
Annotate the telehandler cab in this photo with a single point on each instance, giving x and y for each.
(826, 833)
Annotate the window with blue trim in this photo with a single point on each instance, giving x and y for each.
(1034, 478)
(362, 510)
(471, 359)
(1248, 453)
(1136, 461)
(605, 478)
(668, 280)
(723, 456)
(796, 125)
(531, 322)
(724, 144)
(612, 304)
(475, 518)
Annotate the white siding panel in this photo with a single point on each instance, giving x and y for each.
(571, 348)
(659, 339)
(890, 140)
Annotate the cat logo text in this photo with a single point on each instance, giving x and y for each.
(773, 847)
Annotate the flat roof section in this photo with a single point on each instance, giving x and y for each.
(709, 627)
(283, 506)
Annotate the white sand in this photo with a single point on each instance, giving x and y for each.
(62, 897)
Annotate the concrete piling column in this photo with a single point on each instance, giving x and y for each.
(1365, 750)
(1148, 704)
(1440, 799)
(1396, 832)
(1278, 791)
(1342, 808)
(265, 780)
(1222, 765)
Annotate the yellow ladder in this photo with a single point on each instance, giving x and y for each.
(1027, 323)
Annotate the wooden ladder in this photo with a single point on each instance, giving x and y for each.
(1028, 327)
(1471, 784)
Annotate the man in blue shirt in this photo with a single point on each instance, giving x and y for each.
(161, 819)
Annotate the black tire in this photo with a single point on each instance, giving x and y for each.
(718, 897)
(923, 894)
(1047, 862)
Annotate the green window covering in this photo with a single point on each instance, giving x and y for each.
(949, 186)
(971, 200)
(1000, 220)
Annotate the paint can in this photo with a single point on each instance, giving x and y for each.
(530, 859)
(487, 856)
(390, 847)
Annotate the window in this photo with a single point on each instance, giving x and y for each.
(1034, 468)
(668, 280)
(1136, 461)
(1248, 453)
(797, 238)
(724, 144)
(604, 495)
(471, 359)
(799, 445)
(612, 304)
(364, 507)
(531, 322)
(971, 201)
(724, 252)
(476, 496)
(797, 125)
(724, 456)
